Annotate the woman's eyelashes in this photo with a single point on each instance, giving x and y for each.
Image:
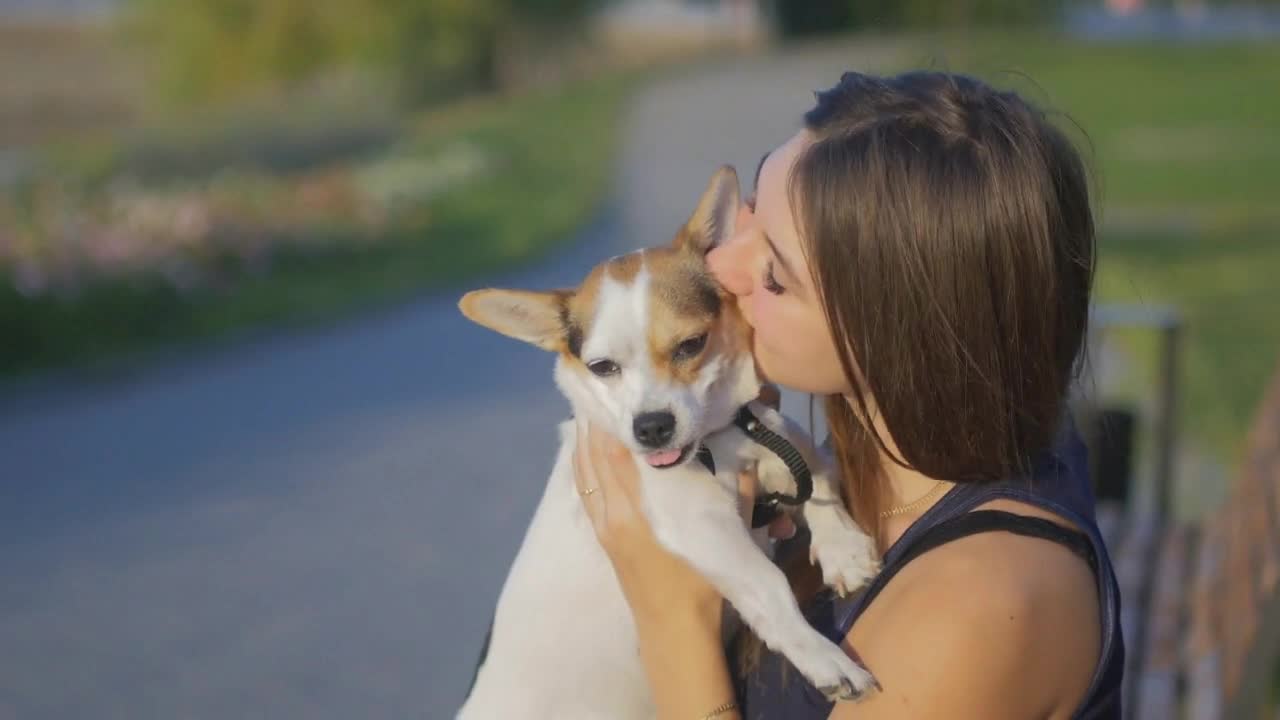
(770, 282)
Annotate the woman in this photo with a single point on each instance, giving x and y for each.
(921, 255)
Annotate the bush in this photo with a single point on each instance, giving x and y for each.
(215, 50)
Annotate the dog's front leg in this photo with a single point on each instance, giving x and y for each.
(846, 554)
(698, 519)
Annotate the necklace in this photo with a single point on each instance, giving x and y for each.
(938, 485)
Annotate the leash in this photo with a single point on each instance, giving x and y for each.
(766, 506)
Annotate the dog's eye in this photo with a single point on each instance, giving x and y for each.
(604, 368)
(690, 348)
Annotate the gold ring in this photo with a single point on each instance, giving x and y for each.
(587, 492)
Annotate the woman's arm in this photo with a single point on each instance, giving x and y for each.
(684, 662)
(991, 626)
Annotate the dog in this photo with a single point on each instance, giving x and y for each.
(653, 350)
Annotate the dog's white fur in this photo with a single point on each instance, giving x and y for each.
(563, 643)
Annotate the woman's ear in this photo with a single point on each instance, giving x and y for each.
(714, 219)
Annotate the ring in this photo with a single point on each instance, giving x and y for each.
(588, 491)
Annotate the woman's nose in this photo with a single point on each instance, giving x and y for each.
(730, 261)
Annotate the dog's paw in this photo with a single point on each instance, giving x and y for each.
(846, 554)
(831, 671)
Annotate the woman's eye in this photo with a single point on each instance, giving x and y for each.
(604, 368)
(771, 283)
(690, 348)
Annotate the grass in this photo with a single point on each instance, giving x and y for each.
(1172, 125)
(553, 153)
(1224, 284)
(1184, 145)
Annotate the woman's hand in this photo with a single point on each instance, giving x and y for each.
(656, 582)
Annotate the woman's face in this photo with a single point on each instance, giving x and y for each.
(765, 266)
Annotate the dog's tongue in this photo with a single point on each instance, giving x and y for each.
(662, 459)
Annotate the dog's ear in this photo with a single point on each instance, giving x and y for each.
(534, 317)
(712, 223)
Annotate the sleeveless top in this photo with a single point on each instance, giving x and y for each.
(1059, 483)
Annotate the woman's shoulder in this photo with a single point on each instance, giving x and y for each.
(988, 620)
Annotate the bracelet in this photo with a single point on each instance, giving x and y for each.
(727, 707)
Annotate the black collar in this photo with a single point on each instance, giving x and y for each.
(766, 506)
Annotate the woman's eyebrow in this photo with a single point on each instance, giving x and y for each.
(755, 185)
(781, 259)
(755, 182)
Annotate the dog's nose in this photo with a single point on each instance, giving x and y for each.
(654, 429)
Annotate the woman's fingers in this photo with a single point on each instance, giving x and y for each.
(618, 477)
(598, 446)
(770, 395)
(612, 505)
(783, 528)
(586, 477)
(746, 493)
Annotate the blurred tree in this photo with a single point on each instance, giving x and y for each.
(814, 17)
(211, 50)
(432, 48)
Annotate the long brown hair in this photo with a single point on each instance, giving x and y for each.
(949, 232)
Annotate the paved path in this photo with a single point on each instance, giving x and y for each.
(316, 525)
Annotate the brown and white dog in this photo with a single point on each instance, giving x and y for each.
(653, 350)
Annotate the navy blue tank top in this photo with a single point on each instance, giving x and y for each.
(1059, 483)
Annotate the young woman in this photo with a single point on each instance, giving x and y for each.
(921, 255)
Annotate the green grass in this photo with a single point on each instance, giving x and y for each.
(1225, 284)
(554, 154)
(1181, 125)
(1184, 142)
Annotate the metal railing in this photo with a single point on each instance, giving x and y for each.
(1168, 323)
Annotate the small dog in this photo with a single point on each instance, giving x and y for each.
(652, 349)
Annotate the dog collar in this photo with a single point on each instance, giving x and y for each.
(766, 506)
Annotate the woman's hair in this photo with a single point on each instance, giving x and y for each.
(948, 228)
(949, 232)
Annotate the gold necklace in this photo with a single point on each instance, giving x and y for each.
(938, 485)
